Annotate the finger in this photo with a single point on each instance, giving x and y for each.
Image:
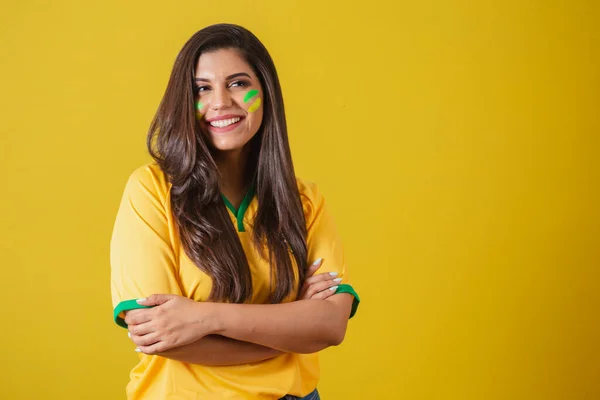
(145, 340)
(322, 295)
(155, 299)
(152, 349)
(320, 277)
(133, 312)
(314, 267)
(320, 286)
(141, 329)
(324, 277)
(139, 317)
(309, 276)
(303, 292)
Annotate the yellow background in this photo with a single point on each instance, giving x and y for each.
(456, 142)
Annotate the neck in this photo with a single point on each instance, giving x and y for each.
(233, 167)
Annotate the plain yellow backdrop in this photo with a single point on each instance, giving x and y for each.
(456, 143)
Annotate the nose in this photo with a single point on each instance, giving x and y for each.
(221, 99)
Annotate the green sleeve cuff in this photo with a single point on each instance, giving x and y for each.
(345, 288)
(126, 305)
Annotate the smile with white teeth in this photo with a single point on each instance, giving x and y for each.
(222, 123)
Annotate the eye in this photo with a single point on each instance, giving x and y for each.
(200, 89)
(239, 84)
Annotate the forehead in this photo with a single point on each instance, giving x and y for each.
(221, 63)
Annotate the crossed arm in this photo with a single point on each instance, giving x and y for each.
(214, 333)
(228, 334)
(219, 350)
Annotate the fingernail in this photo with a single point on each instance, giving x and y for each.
(333, 273)
(129, 334)
(318, 261)
(137, 349)
(141, 300)
(333, 288)
(337, 280)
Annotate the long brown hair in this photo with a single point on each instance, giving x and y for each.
(205, 229)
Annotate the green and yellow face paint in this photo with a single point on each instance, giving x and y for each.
(251, 97)
(199, 107)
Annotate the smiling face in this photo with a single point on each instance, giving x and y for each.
(228, 99)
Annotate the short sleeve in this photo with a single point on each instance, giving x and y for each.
(323, 240)
(142, 258)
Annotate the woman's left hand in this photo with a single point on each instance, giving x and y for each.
(172, 321)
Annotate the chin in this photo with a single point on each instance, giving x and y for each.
(227, 146)
(229, 143)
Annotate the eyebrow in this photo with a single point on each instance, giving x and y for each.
(227, 78)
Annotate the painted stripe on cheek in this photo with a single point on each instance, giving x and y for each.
(254, 105)
(250, 95)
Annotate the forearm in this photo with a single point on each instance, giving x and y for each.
(304, 326)
(217, 350)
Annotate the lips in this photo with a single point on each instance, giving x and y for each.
(224, 123)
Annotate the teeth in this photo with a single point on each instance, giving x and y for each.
(224, 122)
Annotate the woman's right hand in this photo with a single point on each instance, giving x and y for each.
(318, 287)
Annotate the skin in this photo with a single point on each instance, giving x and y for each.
(226, 334)
(219, 350)
(223, 78)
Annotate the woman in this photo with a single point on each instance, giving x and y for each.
(212, 240)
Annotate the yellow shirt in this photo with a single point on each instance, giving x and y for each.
(147, 257)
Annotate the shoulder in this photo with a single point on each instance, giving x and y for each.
(311, 197)
(148, 180)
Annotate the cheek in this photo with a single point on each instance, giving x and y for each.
(254, 106)
(255, 120)
(253, 101)
(199, 110)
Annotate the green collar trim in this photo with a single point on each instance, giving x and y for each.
(239, 213)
